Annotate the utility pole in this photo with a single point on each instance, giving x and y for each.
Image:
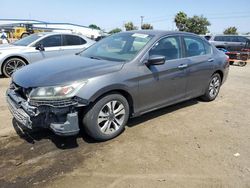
(142, 21)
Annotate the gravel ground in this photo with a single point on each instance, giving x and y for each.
(192, 144)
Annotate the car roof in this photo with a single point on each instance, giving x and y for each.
(55, 33)
(160, 32)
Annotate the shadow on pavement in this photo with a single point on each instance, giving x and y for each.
(69, 142)
(33, 136)
(163, 111)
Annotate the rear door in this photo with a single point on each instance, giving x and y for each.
(72, 44)
(242, 42)
(52, 48)
(199, 54)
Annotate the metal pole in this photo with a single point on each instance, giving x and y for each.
(142, 21)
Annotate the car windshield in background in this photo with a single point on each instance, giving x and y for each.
(118, 47)
(27, 40)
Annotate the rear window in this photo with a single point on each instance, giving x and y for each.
(72, 40)
(196, 47)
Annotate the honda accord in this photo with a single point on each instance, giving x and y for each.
(124, 75)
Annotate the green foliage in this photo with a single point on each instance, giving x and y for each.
(93, 26)
(116, 30)
(130, 26)
(231, 31)
(146, 26)
(181, 21)
(195, 24)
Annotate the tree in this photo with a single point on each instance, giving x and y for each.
(116, 30)
(198, 25)
(130, 26)
(146, 26)
(195, 24)
(181, 21)
(93, 26)
(230, 31)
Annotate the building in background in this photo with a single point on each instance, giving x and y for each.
(55, 27)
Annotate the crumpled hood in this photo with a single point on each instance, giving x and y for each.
(11, 47)
(66, 69)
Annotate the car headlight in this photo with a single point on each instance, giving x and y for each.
(56, 92)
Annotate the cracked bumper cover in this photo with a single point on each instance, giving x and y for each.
(27, 116)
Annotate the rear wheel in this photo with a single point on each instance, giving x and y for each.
(11, 65)
(242, 63)
(107, 118)
(213, 88)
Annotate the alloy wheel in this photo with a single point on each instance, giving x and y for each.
(111, 117)
(12, 65)
(214, 87)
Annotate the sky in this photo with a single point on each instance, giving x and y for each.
(109, 14)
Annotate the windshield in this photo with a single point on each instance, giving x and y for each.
(27, 40)
(118, 47)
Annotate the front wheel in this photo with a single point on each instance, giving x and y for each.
(107, 117)
(11, 65)
(213, 88)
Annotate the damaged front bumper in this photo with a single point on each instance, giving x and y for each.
(60, 116)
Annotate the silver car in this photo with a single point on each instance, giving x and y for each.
(229, 42)
(37, 47)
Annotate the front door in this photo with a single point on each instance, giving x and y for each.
(163, 84)
(52, 48)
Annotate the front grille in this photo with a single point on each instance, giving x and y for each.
(54, 103)
(19, 114)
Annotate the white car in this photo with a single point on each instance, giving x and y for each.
(37, 47)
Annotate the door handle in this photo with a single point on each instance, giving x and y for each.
(182, 66)
(210, 60)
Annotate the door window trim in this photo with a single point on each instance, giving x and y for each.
(146, 55)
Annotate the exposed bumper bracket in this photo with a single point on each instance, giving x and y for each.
(68, 128)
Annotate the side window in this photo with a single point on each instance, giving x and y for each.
(51, 41)
(219, 38)
(194, 47)
(82, 41)
(208, 48)
(72, 40)
(242, 39)
(234, 39)
(168, 47)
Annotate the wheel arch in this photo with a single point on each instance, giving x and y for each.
(220, 73)
(120, 91)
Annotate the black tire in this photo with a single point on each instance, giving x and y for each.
(242, 64)
(24, 35)
(11, 65)
(209, 94)
(100, 123)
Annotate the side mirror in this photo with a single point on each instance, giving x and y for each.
(156, 60)
(40, 47)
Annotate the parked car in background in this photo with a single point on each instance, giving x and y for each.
(37, 47)
(207, 37)
(121, 76)
(229, 42)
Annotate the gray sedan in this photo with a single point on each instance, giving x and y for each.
(37, 47)
(124, 75)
